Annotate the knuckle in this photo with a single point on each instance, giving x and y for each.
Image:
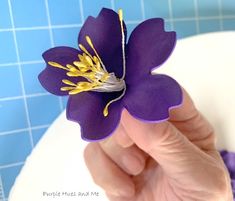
(222, 183)
(165, 134)
(90, 150)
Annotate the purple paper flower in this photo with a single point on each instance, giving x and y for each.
(107, 74)
(229, 160)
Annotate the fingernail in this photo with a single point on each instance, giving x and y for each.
(133, 164)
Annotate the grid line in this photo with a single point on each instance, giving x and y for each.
(170, 14)
(202, 18)
(81, 11)
(196, 16)
(112, 4)
(142, 9)
(22, 63)
(24, 129)
(11, 165)
(26, 96)
(64, 26)
(20, 74)
(49, 23)
(221, 17)
(52, 41)
(2, 198)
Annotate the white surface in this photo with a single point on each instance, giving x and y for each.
(204, 65)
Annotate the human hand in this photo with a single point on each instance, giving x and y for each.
(175, 160)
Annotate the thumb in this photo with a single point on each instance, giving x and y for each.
(164, 143)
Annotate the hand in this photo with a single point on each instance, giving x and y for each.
(175, 160)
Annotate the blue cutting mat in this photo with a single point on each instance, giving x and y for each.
(27, 28)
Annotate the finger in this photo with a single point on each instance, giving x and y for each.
(122, 138)
(186, 111)
(163, 142)
(106, 173)
(118, 198)
(130, 159)
(192, 123)
(182, 161)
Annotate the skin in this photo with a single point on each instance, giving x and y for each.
(175, 160)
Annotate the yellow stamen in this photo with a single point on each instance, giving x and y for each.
(79, 64)
(94, 58)
(67, 88)
(81, 87)
(105, 77)
(106, 111)
(73, 74)
(90, 76)
(91, 67)
(85, 85)
(54, 64)
(83, 59)
(76, 91)
(68, 82)
(89, 61)
(88, 39)
(120, 14)
(69, 66)
(73, 69)
(84, 50)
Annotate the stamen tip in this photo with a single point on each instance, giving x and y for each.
(105, 111)
(88, 39)
(120, 14)
(54, 64)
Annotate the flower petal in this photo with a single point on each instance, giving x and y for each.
(148, 47)
(87, 109)
(51, 77)
(229, 160)
(151, 99)
(105, 33)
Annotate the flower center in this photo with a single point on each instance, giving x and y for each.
(94, 71)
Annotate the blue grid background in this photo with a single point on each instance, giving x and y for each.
(27, 28)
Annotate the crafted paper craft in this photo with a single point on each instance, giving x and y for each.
(107, 74)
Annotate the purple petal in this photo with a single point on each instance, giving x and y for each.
(86, 108)
(152, 97)
(105, 33)
(148, 47)
(51, 77)
(229, 160)
(62, 55)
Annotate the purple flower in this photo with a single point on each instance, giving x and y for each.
(229, 160)
(107, 74)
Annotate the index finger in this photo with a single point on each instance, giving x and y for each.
(186, 111)
(190, 121)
